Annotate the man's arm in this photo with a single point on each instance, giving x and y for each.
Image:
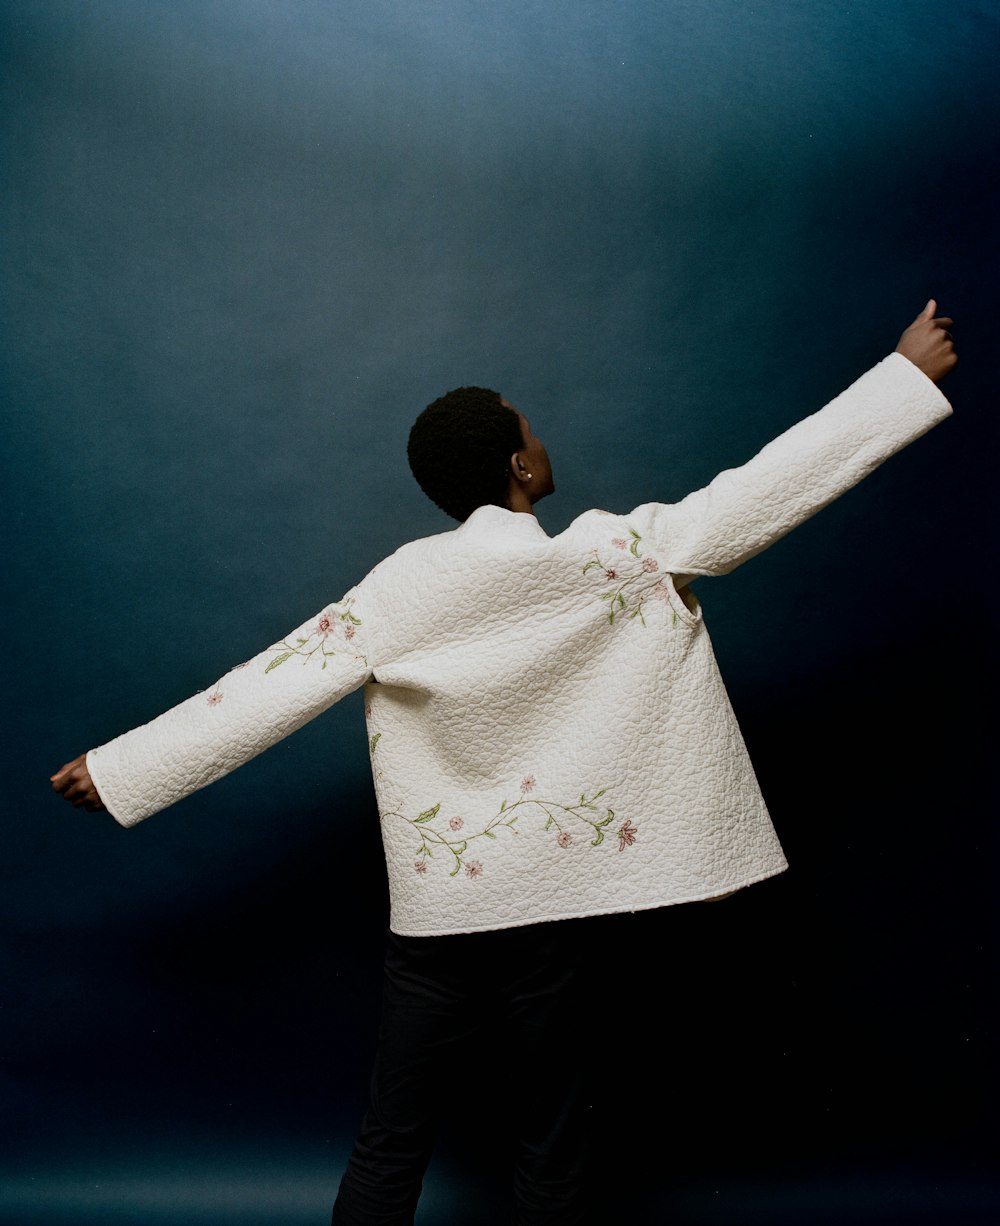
(744, 510)
(251, 708)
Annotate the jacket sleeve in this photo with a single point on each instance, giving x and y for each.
(251, 708)
(744, 510)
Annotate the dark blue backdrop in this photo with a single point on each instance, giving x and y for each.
(244, 242)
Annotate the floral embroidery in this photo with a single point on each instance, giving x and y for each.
(528, 784)
(626, 835)
(438, 835)
(335, 622)
(626, 600)
(215, 698)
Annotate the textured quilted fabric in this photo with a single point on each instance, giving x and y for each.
(549, 733)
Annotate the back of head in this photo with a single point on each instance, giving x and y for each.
(460, 448)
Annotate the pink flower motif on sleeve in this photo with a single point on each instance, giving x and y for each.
(474, 868)
(564, 838)
(320, 640)
(619, 542)
(456, 823)
(215, 698)
(528, 784)
(420, 866)
(650, 565)
(626, 835)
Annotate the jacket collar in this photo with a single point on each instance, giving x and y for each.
(490, 520)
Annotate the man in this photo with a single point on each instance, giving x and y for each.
(550, 740)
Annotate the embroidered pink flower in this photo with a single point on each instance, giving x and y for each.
(215, 698)
(368, 710)
(661, 592)
(349, 632)
(610, 573)
(325, 627)
(528, 783)
(564, 838)
(626, 835)
(420, 866)
(457, 823)
(474, 868)
(649, 565)
(619, 542)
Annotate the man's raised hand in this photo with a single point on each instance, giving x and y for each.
(928, 344)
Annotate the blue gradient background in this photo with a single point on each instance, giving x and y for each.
(243, 244)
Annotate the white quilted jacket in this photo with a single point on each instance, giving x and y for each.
(550, 736)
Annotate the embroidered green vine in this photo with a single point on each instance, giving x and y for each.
(442, 835)
(626, 600)
(335, 622)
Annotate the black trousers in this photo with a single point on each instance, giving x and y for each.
(498, 1012)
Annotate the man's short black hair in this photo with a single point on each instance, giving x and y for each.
(460, 448)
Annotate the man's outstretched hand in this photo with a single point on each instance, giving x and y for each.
(73, 783)
(928, 344)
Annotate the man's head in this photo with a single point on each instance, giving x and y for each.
(470, 448)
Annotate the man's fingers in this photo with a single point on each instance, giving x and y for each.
(65, 778)
(65, 774)
(928, 311)
(77, 789)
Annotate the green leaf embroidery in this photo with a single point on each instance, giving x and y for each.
(373, 742)
(558, 816)
(278, 660)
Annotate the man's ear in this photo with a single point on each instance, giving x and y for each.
(518, 468)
